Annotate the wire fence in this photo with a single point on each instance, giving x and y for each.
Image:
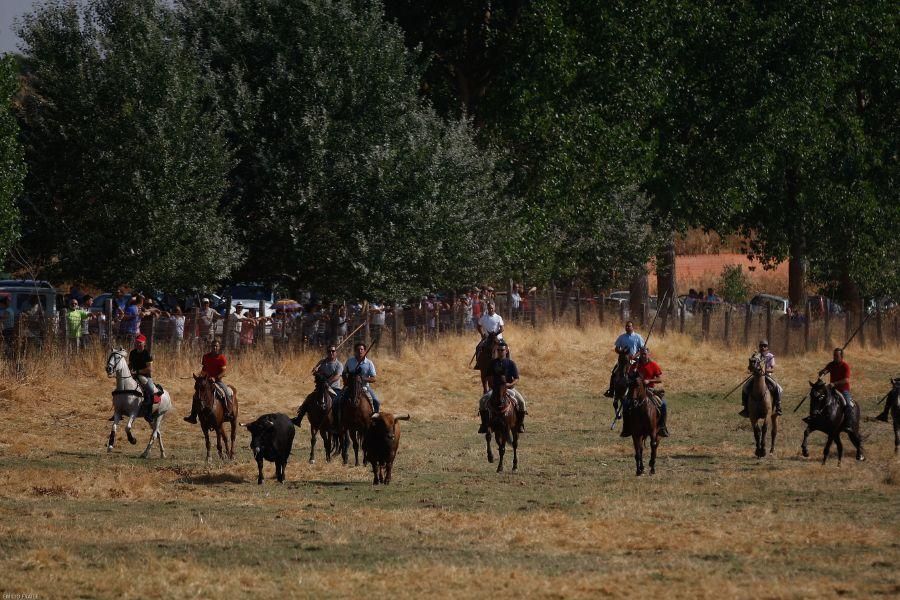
(392, 327)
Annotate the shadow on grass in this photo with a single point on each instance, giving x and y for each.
(211, 479)
(320, 483)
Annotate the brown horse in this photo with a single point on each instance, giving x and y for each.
(620, 380)
(503, 425)
(356, 416)
(484, 358)
(828, 415)
(759, 406)
(212, 415)
(317, 408)
(643, 419)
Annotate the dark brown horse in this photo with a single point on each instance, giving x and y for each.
(828, 415)
(484, 358)
(317, 408)
(892, 404)
(503, 425)
(356, 416)
(643, 416)
(620, 380)
(212, 415)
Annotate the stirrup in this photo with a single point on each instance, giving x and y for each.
(882, 417)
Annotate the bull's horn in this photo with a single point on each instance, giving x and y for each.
(376, 415)
(402, 417)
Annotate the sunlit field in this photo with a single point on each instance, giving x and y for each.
(574, 521)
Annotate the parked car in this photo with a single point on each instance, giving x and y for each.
(249, 295)
(762, 302)
(22, 292)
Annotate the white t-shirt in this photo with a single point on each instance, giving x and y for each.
(491, 323)
(377, 314)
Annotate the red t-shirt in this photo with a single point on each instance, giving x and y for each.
(650, 370)
(838, 371)
(214, 364)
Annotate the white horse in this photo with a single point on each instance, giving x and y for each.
(127, 402)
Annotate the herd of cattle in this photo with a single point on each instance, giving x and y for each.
(272, 436)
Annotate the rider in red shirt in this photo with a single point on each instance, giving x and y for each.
(839, 376)
(214, 365)
(651, 373)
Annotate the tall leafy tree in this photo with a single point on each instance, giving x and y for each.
(346, 179)
(12, 163)
(127, 157)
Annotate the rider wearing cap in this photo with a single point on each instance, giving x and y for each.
(140, 362)
(651, 374)
(774, 388)
(363, 368)
(628, 343)
(504, 371)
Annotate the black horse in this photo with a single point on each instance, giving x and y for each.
(892, 406)
(828, 414)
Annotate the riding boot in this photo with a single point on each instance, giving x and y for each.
(776, 401)
(520, 420)
(661, 429)
(626, 424)
(195, 408)
(609, 391)
(485, 421)
(744, 412)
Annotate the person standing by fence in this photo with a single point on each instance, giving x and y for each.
(76, 322)
(206, 323)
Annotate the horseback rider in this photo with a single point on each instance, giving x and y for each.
(629, 343)
(504, 371)
(327, 373)
(489, 323)
(213, 365)
(774, 388)
(650, 372)
(140, 362)
(839, 378)
(364, 369)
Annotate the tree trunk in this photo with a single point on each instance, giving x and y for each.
(797, 278)
(665, 274)
(639, 292)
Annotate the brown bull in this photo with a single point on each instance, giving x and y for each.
(382, 438)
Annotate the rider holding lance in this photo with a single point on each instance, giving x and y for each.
(363, 368)
(214, 364)
(327, 371)
(489, 323)
(774, 388)
(839, 376)
(628, 343)
(651, 373)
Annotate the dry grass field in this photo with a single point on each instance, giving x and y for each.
(76, 522)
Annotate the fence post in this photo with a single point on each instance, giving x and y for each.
(704, 324)
(226, 325)
(553, 306)
(666, 308)
(644, 320)
(108, 309)
(578, 307)
(748, 320)
(601, 308)
(622, 312)
(826, 328)
(848, 324)
(195, 328)
(152, 334)
(862, 328)
(534, 298)
(769, 323)
(20, 345)
(879, 334)
(260, 340)
(787, 334)
(806, 320)
(395, 334)
(681, 319)
(727, 335)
